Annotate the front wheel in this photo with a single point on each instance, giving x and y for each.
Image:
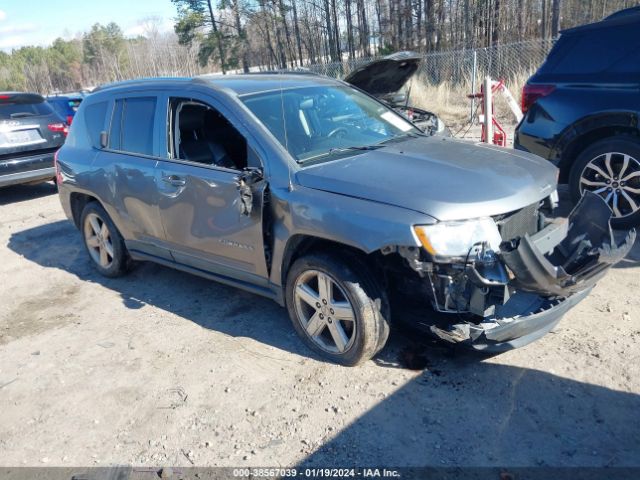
(337, 308)
(611, 169)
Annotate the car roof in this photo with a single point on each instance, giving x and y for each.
(628, 16)
(240, 84)
(30, 95)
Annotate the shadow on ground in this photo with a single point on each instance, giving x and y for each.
(459, 411)
(207, 303)
(20, 193)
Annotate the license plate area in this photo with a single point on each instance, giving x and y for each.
(18, 138)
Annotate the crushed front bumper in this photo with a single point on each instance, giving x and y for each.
(507, 333)
(547, 274)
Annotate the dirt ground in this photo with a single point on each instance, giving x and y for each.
(163, 368)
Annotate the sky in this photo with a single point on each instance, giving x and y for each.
(40, 22)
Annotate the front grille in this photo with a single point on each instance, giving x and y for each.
(518, 223)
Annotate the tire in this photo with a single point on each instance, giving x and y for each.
(109, 242)
(614, 149)
(352, 282)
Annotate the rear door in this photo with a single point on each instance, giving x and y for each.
(206, 225)
(128, 165)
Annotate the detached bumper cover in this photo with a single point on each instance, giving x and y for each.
(553, 270)
(579, 259)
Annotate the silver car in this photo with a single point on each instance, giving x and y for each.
(309, 191)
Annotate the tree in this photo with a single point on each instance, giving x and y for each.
(555, 18)
(197, 21)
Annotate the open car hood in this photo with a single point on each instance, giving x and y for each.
(385, 75)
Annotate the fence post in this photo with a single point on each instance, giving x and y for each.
(473, 84)
(488, 113)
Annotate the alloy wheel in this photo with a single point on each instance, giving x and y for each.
(98, 240)
(616, 178)
(324, 311)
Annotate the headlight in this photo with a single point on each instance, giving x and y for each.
(456, 239)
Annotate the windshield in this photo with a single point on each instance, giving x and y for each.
(323, 121)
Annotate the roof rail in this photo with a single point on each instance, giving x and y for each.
(297, 71)
(140, 81)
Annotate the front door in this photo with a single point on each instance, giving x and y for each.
(207, 225)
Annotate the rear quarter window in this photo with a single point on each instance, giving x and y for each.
(132, 125)
(94, 118)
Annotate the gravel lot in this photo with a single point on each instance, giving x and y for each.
(163, 368)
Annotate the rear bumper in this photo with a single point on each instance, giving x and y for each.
(26, 169)
(42, 174)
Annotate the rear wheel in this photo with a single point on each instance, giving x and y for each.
(611, 169)
(337, 308)
(103, 241)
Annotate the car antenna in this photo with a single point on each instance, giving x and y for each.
(284, 126)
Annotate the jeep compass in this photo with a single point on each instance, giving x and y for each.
(308, 191)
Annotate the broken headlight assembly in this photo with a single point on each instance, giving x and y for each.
(449, 241)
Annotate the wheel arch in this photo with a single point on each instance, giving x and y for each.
(299, 245)
(588, 130)
(78, 201)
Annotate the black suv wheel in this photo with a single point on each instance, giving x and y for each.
(611, 168)
(337, 308)
(103, 241)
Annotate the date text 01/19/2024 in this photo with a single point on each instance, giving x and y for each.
(316, 473)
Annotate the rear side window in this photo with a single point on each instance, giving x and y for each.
(132, 125)
(23, 106)
(94, 116)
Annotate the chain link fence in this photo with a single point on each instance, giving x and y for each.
(507, 61)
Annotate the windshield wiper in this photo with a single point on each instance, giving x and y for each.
(331, 151)
(357, 147)
(404, 136)
(22, 114)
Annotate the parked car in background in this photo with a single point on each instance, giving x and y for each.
(310, 192)
(66, 104)
(30, 133)
(385, 79)
(582, 112)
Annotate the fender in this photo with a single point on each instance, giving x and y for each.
(589, 129)
(362, 224)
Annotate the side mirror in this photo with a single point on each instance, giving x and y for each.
(104, 139)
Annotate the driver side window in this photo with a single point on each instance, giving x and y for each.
(200, 134)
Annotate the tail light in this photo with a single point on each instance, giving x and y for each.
(59, 128)
(531, 93)
(57, 167)
(69, 119)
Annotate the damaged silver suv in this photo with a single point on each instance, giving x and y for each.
(309, 191)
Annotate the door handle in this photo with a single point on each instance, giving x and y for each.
(174, 180)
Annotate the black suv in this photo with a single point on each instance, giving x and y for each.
(581, 112)
(30, 134)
